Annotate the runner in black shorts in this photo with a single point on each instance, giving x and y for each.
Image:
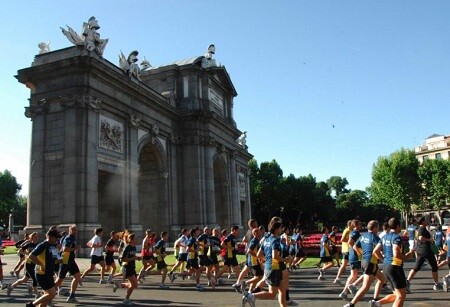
(110, 249)
(148, 259)
(392, 247)
(68, 264)
(230, 260)
(27, 247)
(129, 258)
(205, 262)
(45, 270)
(161, 265)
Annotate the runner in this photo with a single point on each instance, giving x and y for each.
(129, 258)
(68, 265)
(423, 252)
(392, 248)
(366, 245)
(42, 256)
(110, 249)
(148, 258)
(96, 255)
(325, 254)
(355, 262)
(334, 249)
(411, 232)
(298, 251)
(214, 250)
(161, 266)
(272, 272)
(446, 279)
(27, 247)
(345, 250)
(182, 255)
(230, 260)
(252, 224)
(253, 262)
(20, 252)
(439, 240)
(204, 242)
(193, 258)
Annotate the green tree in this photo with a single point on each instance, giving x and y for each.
(352, 203)
(337, 185)
(267, 190)
(10, 201)
(396, 182)
(435, 176)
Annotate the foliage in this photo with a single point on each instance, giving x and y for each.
(337, 185)
(395, 181)
(435, 177)
(10, 201)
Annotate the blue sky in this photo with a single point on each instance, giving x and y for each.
(376, 70)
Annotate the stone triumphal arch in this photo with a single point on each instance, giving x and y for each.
(132, 147)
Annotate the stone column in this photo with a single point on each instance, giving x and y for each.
(131, 200)
(209, 186)
(80, 177)
(233, 192)
(36, 111)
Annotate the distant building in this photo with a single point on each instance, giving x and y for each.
(434, 147)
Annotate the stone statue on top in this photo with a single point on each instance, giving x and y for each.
(89, 37)
(208, 60)
(129, 65)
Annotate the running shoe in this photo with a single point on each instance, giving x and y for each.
(291, 303)
(374, 303)
(29, 304)
(30, 289)
(337, 281)
(248, 298)
(236, 287)
(343, 296)
(110, 278)
(127, 302)
(72, 299)
(229, 275)
(116, 285)
(220, 282)
(349, 305)
(199, 288)
(437, 287)
(243, 286)
(102, 282)
(173, 276)
(163, 287)
(445, 284)
(4, 286)
(352, 289)
(9, 290)
(12, 273)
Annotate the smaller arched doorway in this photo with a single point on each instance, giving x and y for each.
(152, 187)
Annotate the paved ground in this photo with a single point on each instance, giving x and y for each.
(305, 289)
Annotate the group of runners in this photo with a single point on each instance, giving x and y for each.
(271, 256)
(379, 256)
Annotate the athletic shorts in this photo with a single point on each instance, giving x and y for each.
(231, 262)
(204, 260)
(109, 260)
(292, 252)
(300, 253)
(369, 268)
(274, 277)
(149, 257)
(161, 265)
(30, 273)
(182, 257)
(345, 256)
(128, 272)
(97, 259)
(396, 276)
(70, 267)
(193, 263)
(326, 259)
(431, 260)
(45, 282)
(56, 267)
(355, 265)
(213, 259)
(256, 270)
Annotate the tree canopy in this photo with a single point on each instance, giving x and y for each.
(10, 201)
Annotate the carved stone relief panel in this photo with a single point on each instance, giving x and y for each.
(111, 134)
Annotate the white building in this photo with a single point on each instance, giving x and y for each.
(434, 147)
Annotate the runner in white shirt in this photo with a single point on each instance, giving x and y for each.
(96, 255)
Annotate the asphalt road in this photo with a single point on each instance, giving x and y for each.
(304, 288)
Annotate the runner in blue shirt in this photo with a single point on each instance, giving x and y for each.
(366, 245)
(392, 248)
(446, 279)
(325, 253)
